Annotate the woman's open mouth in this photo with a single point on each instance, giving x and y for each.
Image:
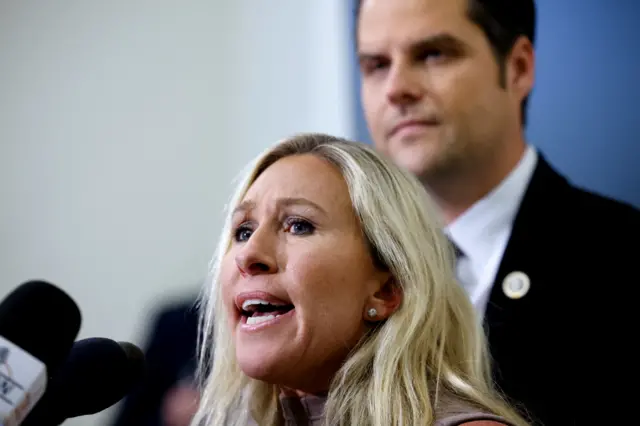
(257, 312)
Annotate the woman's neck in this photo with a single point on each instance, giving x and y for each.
(288, 392)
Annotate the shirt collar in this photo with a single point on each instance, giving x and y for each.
(473, 231)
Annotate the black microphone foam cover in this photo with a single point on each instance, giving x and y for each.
(98, 373)
(41, 319)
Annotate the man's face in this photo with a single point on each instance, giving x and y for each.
(431, 90)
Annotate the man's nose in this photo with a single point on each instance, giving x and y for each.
(404, 84)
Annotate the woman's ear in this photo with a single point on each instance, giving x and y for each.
(385, 301)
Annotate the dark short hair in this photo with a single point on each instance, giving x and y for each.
(503, 22)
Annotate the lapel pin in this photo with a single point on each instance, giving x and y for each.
(516, 285)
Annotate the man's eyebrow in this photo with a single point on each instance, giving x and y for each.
(437, 41)
(249, 205)
(440, 41)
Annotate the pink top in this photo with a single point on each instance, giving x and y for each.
(309, 411)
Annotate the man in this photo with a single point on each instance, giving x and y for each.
(444, 91)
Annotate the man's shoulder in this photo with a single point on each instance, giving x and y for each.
(596, 219)
(555, 202)
(593, 204)
(579, 222)
(570, 234)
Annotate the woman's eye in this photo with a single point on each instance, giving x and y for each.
(299, 227)
(294, 226)
(243, 233)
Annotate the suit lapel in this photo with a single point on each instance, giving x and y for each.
(533, 227)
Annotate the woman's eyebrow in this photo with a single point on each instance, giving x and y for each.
(249, 205)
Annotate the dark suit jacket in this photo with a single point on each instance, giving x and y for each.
(554, 346)
(170, 356)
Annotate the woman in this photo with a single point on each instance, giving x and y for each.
(335, 301)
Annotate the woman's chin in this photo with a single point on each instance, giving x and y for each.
(263, 364)
(267, 349)
(276, 366)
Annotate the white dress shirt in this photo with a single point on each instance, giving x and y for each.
(482, 232)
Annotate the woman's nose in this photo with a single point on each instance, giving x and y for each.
(255, 258)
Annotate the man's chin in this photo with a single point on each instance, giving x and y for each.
(418, 162)
(414, 154)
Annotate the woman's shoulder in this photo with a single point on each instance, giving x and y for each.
(452, 411)
(472, 419)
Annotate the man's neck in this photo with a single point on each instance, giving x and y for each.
(460, 190)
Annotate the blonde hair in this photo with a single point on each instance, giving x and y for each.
(430, 349)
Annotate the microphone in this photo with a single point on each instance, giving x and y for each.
(97, 374)
(38, 325)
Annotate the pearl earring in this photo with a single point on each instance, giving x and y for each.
(372, 313)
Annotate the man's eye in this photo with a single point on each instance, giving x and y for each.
(370, 66)
(431, 54)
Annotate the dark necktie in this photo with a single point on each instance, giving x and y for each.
(462, 272)
(459, 253)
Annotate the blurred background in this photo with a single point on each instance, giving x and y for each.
(124, 123)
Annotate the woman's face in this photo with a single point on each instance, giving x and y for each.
(298, 279)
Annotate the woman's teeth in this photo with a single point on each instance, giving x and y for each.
(258, 320)
(254, 302)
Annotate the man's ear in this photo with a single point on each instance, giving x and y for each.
(385, 301)
(520, 72)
